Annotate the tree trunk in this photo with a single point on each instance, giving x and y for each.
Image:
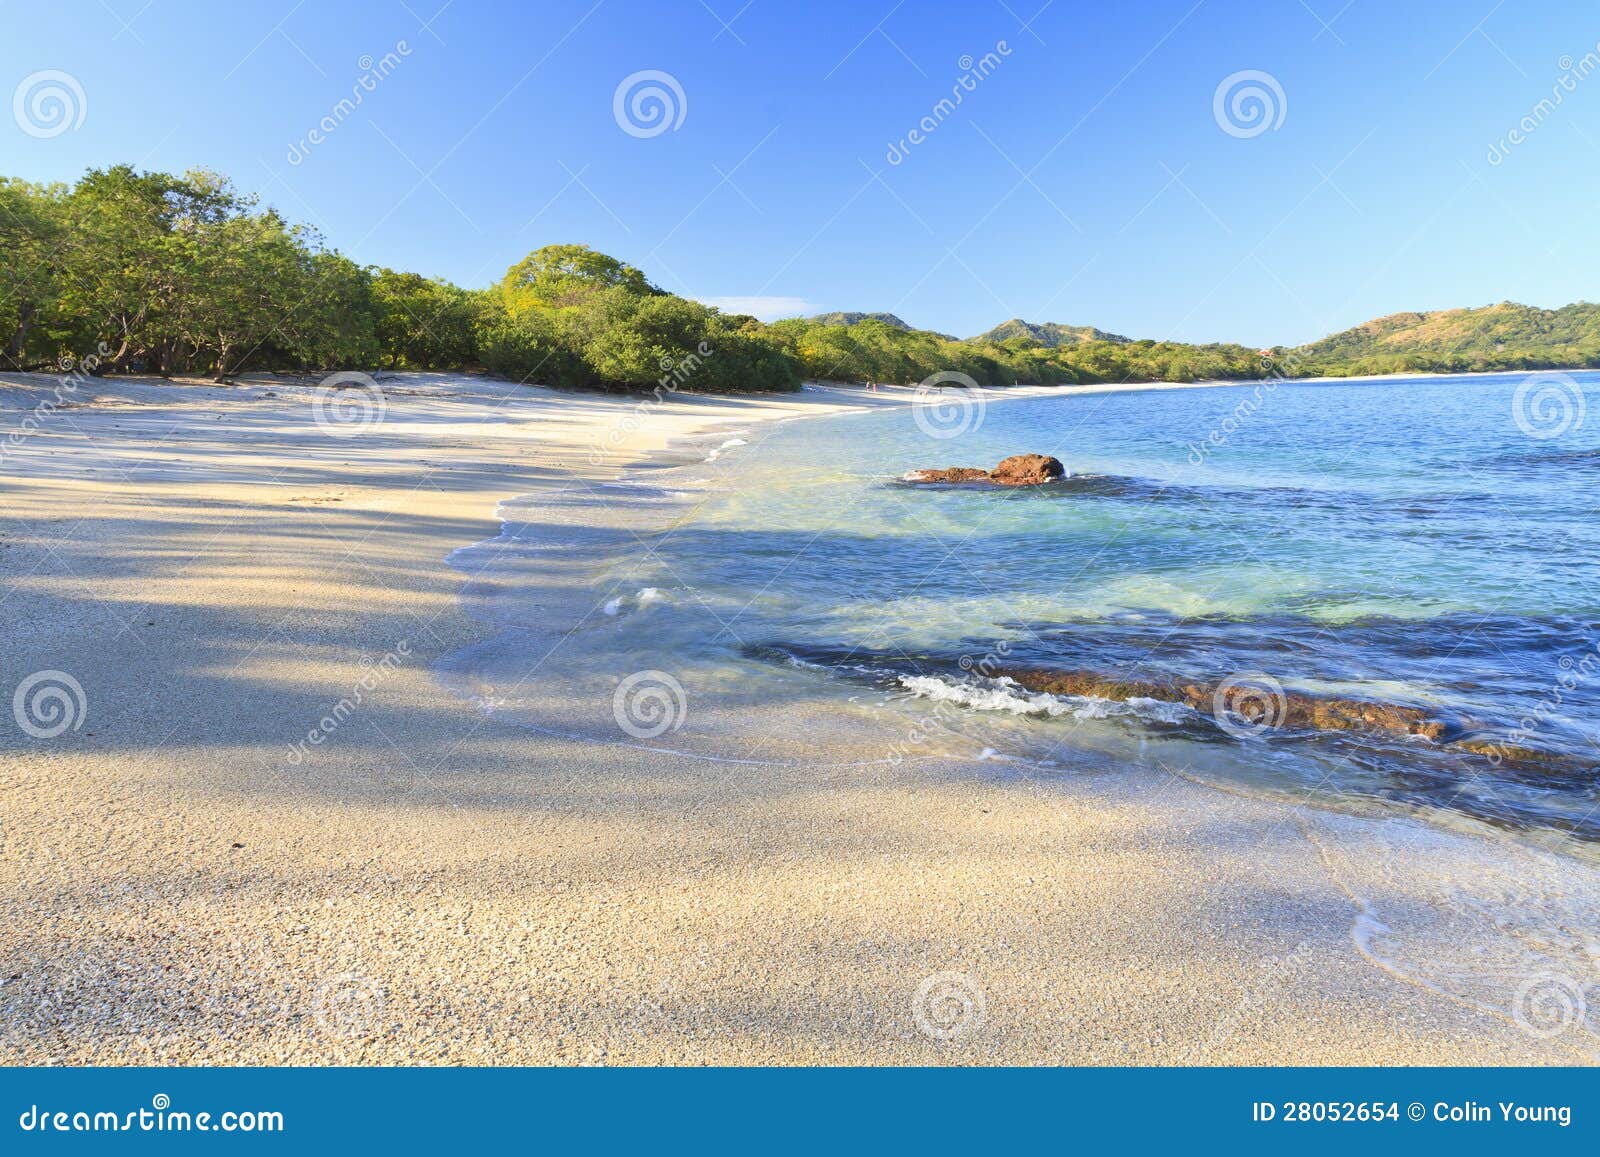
(25, 314)
(119, 359)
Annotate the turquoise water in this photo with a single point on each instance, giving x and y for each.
(1427, 542)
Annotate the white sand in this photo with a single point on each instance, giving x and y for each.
(431, 884)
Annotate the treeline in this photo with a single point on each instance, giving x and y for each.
(873, 350)
(1507, 336)
(171, 275)
(155, 273)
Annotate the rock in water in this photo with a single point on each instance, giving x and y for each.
(949, 474)
(1027, 470)
(1018, 470)
(1289, 709)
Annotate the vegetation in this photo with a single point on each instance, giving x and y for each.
(168, 274)
(1496, 337)
(839, 318)
(1048, 333)
(149, 272)
(163, 274)
(874, 350)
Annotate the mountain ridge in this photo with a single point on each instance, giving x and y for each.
(1048, 333)
(1505, 335)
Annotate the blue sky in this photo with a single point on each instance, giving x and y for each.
(1086, 178)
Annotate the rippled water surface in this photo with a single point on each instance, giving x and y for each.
(1404, 542)
(1221, 565)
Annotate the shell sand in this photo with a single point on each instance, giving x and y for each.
(426, 883)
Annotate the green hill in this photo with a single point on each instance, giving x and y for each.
(1507, 336)
(166, 274)
(839, 318)
(1047, 333)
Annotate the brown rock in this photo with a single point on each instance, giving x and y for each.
(1027, 470)
(1018, 470)
(1087, 683)
(1508, 754)
(950, 474)
(1291, 709)
(1359, 715)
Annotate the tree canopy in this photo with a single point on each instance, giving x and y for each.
(184, 274)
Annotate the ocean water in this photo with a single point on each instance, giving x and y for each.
(1431, 543)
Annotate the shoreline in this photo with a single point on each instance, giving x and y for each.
(433, 885)
(672, 458)
(1329, 826)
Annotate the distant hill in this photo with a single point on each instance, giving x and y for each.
(1504, 336)
(1047, 333)
(838, 318)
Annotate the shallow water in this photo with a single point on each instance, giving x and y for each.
(1408, 542)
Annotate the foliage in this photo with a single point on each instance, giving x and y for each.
(559, 275)
(424, 322)
(870, 350)
(169, 274)
(1048, 333)
(1506, 336)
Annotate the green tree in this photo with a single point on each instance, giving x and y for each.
(31, 231)
(559, 275)
(424, 322)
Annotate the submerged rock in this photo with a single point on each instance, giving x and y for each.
(1512, 755)
(949, 474)
(1236, 703)
(1017, 470)
(1245, 703)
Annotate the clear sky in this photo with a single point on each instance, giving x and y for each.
(1087, 178)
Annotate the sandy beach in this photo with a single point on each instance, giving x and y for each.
(430, 884)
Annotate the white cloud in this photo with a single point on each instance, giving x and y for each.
(765, 308)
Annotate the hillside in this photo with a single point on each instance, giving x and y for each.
(171, 274)
(1047, 333)
(840, 318)
(1507, 336)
